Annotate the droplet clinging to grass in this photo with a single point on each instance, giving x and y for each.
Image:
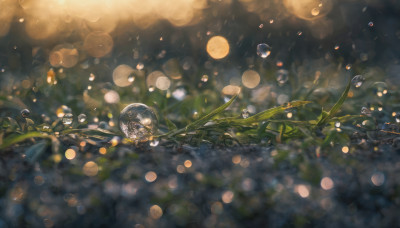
(138, 122)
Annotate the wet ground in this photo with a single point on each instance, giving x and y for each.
(206, 186)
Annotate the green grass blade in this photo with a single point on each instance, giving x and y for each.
(267, 114)
(325, 118)
(208, 117)
(11, 140)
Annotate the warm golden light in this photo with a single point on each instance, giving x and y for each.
(302, 190)
(90, 169)
(218, 47)
(121, 75)
(155, 212)
(150, 176)
(98, 44)
(250, 79)
(70, 154)
(308, 9)
(327, 183)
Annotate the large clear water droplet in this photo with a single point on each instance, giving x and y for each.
(357, 81)
(138, 122)
(263, 50)
(67, 119)
(25, 113)
(380, 89)
(282, 76)
(82, 118)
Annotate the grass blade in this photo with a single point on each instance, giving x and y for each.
(208, 117)
(328, 115)
(267, 114)
(19, 138)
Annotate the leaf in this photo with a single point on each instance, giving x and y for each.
(267, 114)
(34, 152)
(90, 132)
(171, 126)
(206, 118)
(19, 138)
(324, 117)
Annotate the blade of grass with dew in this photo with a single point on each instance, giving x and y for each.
(206, 118)
(267, 114)
(326, 116)
(199, 123)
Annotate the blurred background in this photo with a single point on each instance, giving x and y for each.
(100, 53)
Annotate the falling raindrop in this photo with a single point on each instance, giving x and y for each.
(263, 50)
(245, 113)
(81, 118)
(282, 76)
(25, 113)
(138, 122)
(357, 81)
(67, 119)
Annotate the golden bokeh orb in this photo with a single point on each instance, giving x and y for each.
(218, 47)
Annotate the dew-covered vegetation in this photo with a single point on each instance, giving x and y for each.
(199, 113)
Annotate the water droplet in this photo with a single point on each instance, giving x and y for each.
(348, 67)
(299, 33)
(25, 113)
(337, 47)
(365, 111)
(380, 89)
(138, 121)
(179, 94)
(131, 78)
(140, 66)
(357, 81)
(282, 76)
(81, 118)
(67, 119)
(62, 110)
(91, 77)
(397, 117)
(245, 113)
(371, 24)
(154, 142)
(263, 50)
(337, 124)
(204, 78)
(315, 12)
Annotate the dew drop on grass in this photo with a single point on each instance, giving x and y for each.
(282, 76)
(357, 81)
(67, 119)
(25, 113)
(245, 113)
(138, 122)
(81, 118)
(263, 50)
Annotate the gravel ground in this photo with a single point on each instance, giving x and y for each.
(184, 186)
